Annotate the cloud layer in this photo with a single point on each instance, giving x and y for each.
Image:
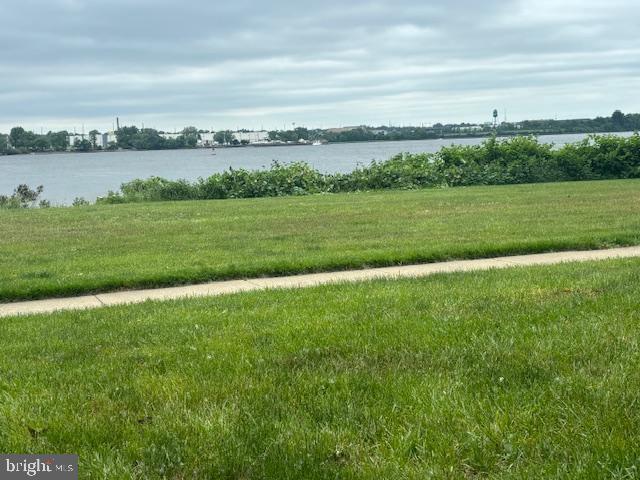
(250, 64)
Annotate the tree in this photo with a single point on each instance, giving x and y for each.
(224, 137)
(93, 138)
(22, 197)
(83, 145)
(20, 138)
(191, 136)
(4, 144)
(618, 119)
(301, 133)
(147, 139)
(16, 135)
(40, 144)
(59, 141)
(125, 136)
(190, 131)
(189, 141)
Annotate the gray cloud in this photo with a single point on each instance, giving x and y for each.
(247, 63)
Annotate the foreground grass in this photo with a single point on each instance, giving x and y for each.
(58, 252)
(523, 373)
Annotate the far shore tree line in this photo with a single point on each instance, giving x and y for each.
(617, 122)
(20, 140)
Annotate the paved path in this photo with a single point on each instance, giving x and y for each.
(297, 281)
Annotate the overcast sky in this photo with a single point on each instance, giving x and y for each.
(249, 64)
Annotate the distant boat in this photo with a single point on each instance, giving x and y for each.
(316, 143)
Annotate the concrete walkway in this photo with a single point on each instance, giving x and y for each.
(298, 281)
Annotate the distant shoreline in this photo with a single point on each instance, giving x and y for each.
(224, 147)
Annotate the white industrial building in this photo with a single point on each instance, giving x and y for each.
(205, 139)
(102, 139)
(470, 128)
(261, 136)
(170, 136)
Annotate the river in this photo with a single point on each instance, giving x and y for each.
(66, 176)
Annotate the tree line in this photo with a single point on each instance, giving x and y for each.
(21, 141)
(134, 138)
(617, 122)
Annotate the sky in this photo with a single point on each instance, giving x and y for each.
(66, 64)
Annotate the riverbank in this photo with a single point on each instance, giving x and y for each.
(67, 176)
(494, 162)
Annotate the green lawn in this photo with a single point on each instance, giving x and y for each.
(521, 373)
(58, 252)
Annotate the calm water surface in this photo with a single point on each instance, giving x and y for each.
(89, 175)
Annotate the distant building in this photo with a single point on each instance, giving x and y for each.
(243, 136)
(470, 128)
(170, 136)
(252, 137)
(102, 139)
(206, 139)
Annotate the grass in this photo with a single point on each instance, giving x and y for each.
(521, 373)
(58, 252)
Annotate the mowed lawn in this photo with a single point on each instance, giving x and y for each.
(521, 373)
(57, 252)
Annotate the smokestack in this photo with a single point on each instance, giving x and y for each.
(117, 124)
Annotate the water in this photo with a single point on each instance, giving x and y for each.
(89, 175)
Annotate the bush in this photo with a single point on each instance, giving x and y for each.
(494, 162)
(23, 197)
(80, 202)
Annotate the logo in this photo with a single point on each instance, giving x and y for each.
(46, 467)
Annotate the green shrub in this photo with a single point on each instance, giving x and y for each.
(80, 202)
(23, 197)
(494, 162)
